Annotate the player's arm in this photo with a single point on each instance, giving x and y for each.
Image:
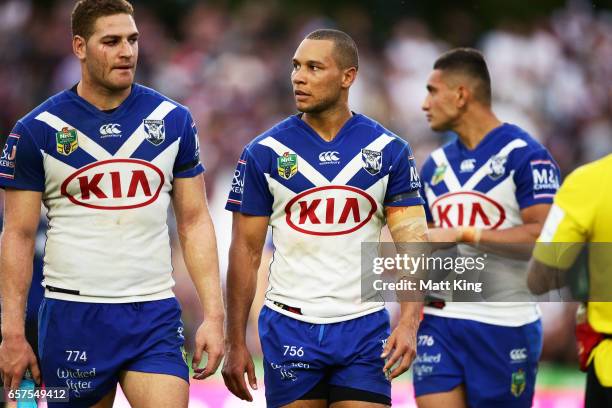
(543, 278)
(406, 224)
(197, 237)
(248, 238)
(21, 214)
(533, 219)
(556, 252)
(498, 241)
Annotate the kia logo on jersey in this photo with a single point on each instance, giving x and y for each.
(467, 208)
(116, 184)
(330, 210)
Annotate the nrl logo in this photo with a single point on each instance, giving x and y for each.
(372, 161)
(518, 383)
(66, 141)
(438, 175)
(156, 131)
(287, 165)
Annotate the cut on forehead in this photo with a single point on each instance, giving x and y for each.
(344, 48)
(86, 13)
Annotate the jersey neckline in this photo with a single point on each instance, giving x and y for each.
(485, 140)
(317, 138)
(116, 112)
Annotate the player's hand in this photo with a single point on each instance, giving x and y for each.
(16, 355)
(400, 347)
(444, 236)
(237, 362)
(209, 339)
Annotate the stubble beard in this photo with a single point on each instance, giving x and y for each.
(104, 83)
(321, 106)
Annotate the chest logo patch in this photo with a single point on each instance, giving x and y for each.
(497, 168)
(371, 161)
(467, 166)
(438, 175)
(156, 131)
(287, 165)
(110, 130)
(66, 141)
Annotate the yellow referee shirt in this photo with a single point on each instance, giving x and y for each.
(582, 212)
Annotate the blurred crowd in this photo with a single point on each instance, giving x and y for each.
(231, 67)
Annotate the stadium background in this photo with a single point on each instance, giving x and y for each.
(229, 62)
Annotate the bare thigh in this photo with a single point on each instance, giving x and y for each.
(144, 390)
(307, 404)
(357, 404)
(454, 398)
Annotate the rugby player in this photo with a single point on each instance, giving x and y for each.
(326, 180)
(106, 158)
(489, 187)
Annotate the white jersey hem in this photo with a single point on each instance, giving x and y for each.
(505, 321)
(322, 320)
(166, 294)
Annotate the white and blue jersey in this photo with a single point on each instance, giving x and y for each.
(106, 179)
(487, 187)
(323, 199)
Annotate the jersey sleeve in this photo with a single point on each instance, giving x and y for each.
(249, 193)
(403, 188)
(21, 165)
(536, 179)
(426, 175)
(187, 163)
(569, 222)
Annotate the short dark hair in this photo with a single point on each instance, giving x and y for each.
(344, 46)
(86, 12)
(470, 62)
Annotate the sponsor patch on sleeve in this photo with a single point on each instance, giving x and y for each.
(415, 180)
(545, 178)
(197, 141)
(9, 155)
(235, 196)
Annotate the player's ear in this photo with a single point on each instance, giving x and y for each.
(79, 45)
(348, 77)
(463, 95)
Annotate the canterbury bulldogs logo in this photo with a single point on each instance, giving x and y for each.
(497, 167)
(110, 130)
(372, 161)
(156, 131)
(329, 158)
